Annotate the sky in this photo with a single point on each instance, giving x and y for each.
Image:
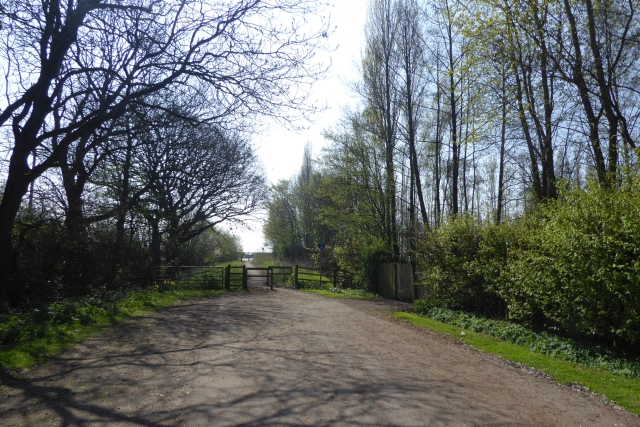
(281, 150)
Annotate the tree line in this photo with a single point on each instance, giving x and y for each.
(126, 127)
(474, 119)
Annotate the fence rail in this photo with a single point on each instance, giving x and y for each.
(208, 277)
(310, 277)
(189, 277)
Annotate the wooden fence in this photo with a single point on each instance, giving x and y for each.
(305, 277)
(395, 281)
(207, 277)
(189, 277)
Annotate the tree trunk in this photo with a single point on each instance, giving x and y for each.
(17, 185)
(454, 127)
(533, 158)
(503, 134)
(583, 91)
(124, 194)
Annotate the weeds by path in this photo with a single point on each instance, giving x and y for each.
(620, 389)
(585, 353)
(30, 338)
(343, 293)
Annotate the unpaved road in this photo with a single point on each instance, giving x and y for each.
(286, 358)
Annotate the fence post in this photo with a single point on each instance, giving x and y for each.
(227, 277)
(244, 278)
(295, 278)
(270, 276)
(335, 277)
(395, 281)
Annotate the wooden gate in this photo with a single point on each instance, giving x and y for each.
(395, 281)
(257, 276)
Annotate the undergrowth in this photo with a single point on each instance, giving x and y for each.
(27, 339)
(585, 353)
(332, 292)
(618, 389)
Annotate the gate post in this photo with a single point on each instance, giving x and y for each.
(295, 280)
(227, 277)
(244, 278)
(270, 276)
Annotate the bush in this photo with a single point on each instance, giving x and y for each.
(572, 267)
(358, 261)
(52, 265)
(461, 264)
(312, 284)
(581, 268)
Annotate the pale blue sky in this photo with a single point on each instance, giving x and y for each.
(280, 149)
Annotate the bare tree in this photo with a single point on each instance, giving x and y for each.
(198, 177)
(72, 68)
(380, 90)
(410, 47)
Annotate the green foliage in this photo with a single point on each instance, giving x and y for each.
(358, 259)
(311, 284)
(623, 390)
(211, 246)
(343, 293)
(281, 229)
(54, 265)
(28, 338)
(571, 267)
(580, 268)
(368, 259)
(461, 263)
(589, 354)
(211, 281)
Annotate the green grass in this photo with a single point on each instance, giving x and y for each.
(622, 390)
(264, 260)
(234, 263)
(30, 339)
(583, 352)
(343, 293)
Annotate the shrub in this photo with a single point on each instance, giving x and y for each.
(358, 261)
(461, 263)
(581, 267)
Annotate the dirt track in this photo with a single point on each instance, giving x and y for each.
(285, 358)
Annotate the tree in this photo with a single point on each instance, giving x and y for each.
(380, 91)
(198, 176)
(599, 57)
(410, 47)
(73, 69)
(281, 230)
(304, 199)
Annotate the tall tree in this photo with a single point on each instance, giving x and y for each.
(380, 90)
(410, 48)
(75, 67)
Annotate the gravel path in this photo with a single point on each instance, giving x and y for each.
(286, 358)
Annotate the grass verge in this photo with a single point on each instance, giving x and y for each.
(343, 293)
(620, 389)
(30, 339)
